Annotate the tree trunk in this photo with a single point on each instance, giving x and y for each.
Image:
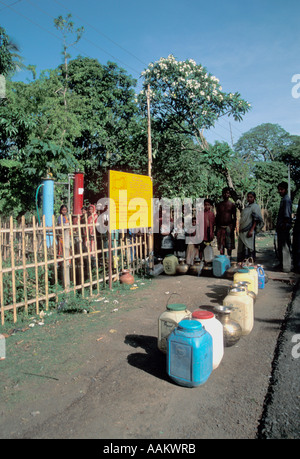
(229, 179)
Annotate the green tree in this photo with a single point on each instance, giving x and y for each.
(268, 149)
(66, 27)
(262, 143)
(111, 134)
(10, 59)
(267, 176)
(25, 158)
(290, 155)
(187, 99)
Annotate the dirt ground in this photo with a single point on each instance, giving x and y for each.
(100, 375)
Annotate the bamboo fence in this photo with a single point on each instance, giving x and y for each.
(39, 263)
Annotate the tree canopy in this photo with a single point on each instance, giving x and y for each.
(264, 142)
(188, 99)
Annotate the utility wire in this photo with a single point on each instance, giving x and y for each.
(101, 33)
(57, 36)
(89, 41)
(7, 6)
(30, 20)
(85, 39)
(233, 127)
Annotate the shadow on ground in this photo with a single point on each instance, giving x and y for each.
(153, 361)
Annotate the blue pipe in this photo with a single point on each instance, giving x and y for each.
(48, 204)
(36, 202)
(48, 200)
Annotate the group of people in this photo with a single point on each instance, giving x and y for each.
(174, 238)
(251, 222)
(89, 215)
(283, 230)
(223, 225)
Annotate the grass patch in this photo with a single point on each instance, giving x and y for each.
(48, 346)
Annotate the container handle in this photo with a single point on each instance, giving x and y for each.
(174, 293)
(248, 261)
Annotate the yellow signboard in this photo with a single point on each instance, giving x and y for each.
(130, 203)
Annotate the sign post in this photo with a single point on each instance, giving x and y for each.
(130, 204)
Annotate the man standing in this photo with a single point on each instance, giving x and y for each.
(283, 228)
(296, 241)
(226, 223)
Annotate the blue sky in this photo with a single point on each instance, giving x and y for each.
(252, 47)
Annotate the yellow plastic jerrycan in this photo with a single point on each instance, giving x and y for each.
(244, 275)
(242, 308)
(169, 263)
(169, 320)
(254, 273)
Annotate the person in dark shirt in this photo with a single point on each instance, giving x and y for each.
(226, 223)
(296, 241)
(283, 228)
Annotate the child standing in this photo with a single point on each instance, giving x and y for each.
(192, 250)
(61, 221)
(209, 225)
(179, 236)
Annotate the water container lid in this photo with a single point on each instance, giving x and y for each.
(203, 315)
(244, 270)
(176, 307)
(190, 325)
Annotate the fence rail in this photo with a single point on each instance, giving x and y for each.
(38, 263)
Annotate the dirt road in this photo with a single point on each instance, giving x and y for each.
(119, 388)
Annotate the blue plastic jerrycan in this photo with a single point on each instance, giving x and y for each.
(261, 277)
(220, 264)
(189, 354)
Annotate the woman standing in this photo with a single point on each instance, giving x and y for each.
(209, 226)
(62, 221)
(92, 221)
(251, 222)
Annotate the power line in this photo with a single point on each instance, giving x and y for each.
(218, 135)
(7, 6)
(101, 33)
(228, 129)
(94, 44)
(58, 37)
(85, 39)
(30, 20)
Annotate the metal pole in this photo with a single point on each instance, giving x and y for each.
(149, 134)
(109, 241)
(151, 244)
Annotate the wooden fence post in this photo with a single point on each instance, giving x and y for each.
(55, 255)
(35, 249)
(73, 253)
(81, 245)
(89, 254)
(13, 273)
(1, 281)
(46, 263)
(96, 253)
(66, 253)
(24, 263)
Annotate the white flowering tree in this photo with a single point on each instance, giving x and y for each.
(185, 97)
